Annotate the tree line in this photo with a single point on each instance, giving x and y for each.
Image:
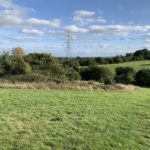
(143, 54)
(124, 75)
(16, 65)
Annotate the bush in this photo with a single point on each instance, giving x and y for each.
(73, 75)
(118, 59)
(100, 60)
(56, 71)
(87, 61)
(100, 74)
(15, 63)
(74, 63)
(45, 64)
(142, 77)
(125, 75)
(5, 65)
(19, 66)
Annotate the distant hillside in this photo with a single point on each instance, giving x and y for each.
(137, 65)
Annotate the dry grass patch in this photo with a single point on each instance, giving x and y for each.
(66, 85)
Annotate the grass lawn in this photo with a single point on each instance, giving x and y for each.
(74, 120)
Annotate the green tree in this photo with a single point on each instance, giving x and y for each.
(143, 77)
(72, 74)
(125, 75)
(100, 74)
(6, 62)
(19, 66)
(144, 53)
(18, 53)
(118, 59)
(45, 64)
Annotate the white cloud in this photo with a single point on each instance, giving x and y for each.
(32, 32)
(42, 22)
(34, 21)
(147, 35)
(10, 14)
(84, 17)
(6, 4)
(10, 18)
(104, 46)
(55, 22)
(75, 29)
(80, 16)
(18, 39)
(101, 20)
(83, 13)
(147, 41)
(122, 30)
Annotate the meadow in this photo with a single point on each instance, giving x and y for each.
(137, 65)
(74, 119)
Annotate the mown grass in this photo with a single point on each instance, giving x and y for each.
(74, 120)
(137, 65)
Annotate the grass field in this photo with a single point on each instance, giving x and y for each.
(74, 120)
(137, 65)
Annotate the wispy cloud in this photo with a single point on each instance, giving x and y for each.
(122, 30)
(43, 22)
(32, 32)
(75, 29)
(18, 39)
(83, 13)
(84, 17)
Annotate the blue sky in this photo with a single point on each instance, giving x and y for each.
(98, 27)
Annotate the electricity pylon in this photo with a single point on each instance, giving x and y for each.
(68, 48)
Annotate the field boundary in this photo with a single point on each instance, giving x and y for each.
(91, 85)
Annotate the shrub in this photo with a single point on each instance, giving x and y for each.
(142, 77)
(15, 63)
(56, 71)
(71, 63)
(5, 65)
(46, 64)
(19, 66)
(101, 60)
(125, 75)
(100, 74)
(72, 74)
(87, 61)
(118, 59)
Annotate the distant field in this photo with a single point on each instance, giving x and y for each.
(74, 120)
(137, 65)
